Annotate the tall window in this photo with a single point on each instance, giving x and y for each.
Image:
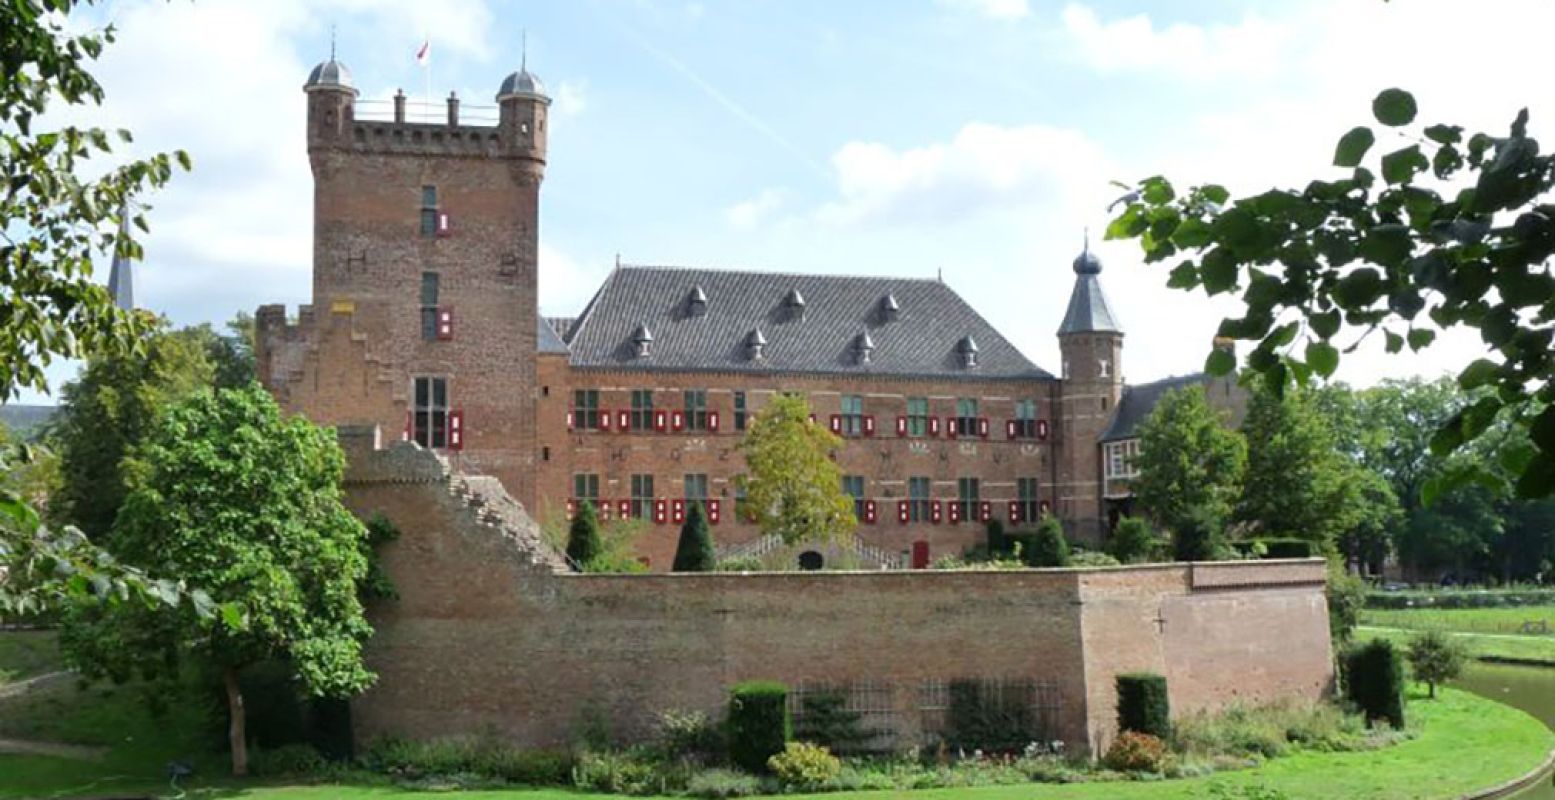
(853, 485)
(742, 511)
(1026, 495)
(852, 415)
(739, 411)
(429, 415)
(642, 409)
(428, 211)
(917, 416)
(585, 486)
(696, 489)
(967, 497)
(966, 415)
(918, 495)
(642, 496)
(696, 409)
(1026, 418)
(429, 306)
(585, 409)
(1120, 458)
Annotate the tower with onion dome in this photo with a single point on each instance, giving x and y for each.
(1090, 341)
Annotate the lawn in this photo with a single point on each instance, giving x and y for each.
(1465, 743)
(1467, 620)
(27, 654)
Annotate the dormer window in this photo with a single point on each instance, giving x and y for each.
(967, 348)
(795, 304)
(863, 347)
(889, 308)
(696, 302)
(755, 345)
(643, 338)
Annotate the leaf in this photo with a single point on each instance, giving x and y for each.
(1478, 373)
(1444, 134)
(1221, 361)
(1157, 191)
(1393, 342)
(1358, 289)
(1352, 146)
(1542, 431)
(1218, 271)
(1538, 478)
(234, 616)
(1394, 107)
(1401, 165)
(1387, 244)
(1324, 324)
(1192, 232)
(1323, 358)
(1419, 338)
(1183, 276)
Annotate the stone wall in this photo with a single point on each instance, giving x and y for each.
(492, 634)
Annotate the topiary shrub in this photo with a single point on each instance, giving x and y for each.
(1199, 536)
(802, 765)
(583, 542)
(1133, 751)
(1143, 705)
(1049, 548)
(995, 541)
(1133, 542)
(695, 552)
(1374, 681)
(758, 725)
(826, 721)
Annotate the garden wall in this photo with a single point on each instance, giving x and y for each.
(491, 634)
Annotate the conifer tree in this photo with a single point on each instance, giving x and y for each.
(695, 551)
(583, 542)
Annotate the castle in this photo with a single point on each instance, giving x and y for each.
(425, 322)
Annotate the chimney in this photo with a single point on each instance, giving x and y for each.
(399, 106)
(453, 109)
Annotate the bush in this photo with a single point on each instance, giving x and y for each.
(827, 721)
(1436, 657)
(689, 736)
(1285, 548)
(1049, 548)
(1133, 542)
(995, 540)
(987, 717)
(583, 542)
(721, 783)
(485, 758)
(1346, 596)
(627, 772)
(1462, 598)
(802, 765)
(286, 760)
(694, 552)
(758, 724)
(1133, 751)
(742, 564)
(1143, 706)
(1199, 537)
(1267, 731)
(1092, 558)
(1374, 681)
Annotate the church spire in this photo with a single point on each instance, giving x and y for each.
(1088, 310)
(121, 278)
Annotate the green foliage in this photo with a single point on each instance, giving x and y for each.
(758, 724)
(1133, 751)
(1399, 257)
(1143, 705)
(1462, 598)
(695, 552)
(986, 716)
(793, 486)
(717, 784)
(1133, 542)
(376, 585)
(486, 757)
(1435, 658)
(803, 766)
(1346, 597)
(1199, 536)
(690, 736)
(1374, 681)
(742, 564)
(629, 773)
(1048, 548)
(1296, 479)
(1283, 547)
(293, 760)
(827, 721)
(1092, 558)
(583, 542)
(1270, 731)
(1190, 465)
(995, 536)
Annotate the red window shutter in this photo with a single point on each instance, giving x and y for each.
(604, 510)
(625, 507)
(445, 323)
(935, 511)
(869, 511)
(570, 418)
(869, 424)
(950, 427)
(1009, 429)
(955, 513)
(902, 513)
(660, 509)
(836, 423)
(624, 421)
(933, 426)
(660, 421)
(985, 511)
(712, 511)
(1014, 511)
(679, 510)
(678, 421)
(410, 419)
(920, 554)
(604, 419)
(982, 427)
(901, 426)
(712, 421)
(1041, 429)
(445, 224)
(456, 430)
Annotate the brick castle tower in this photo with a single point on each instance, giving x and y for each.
(425, 240)
(1091, 344)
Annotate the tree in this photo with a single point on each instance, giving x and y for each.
(792, 485)
(695, 552)
(1200, 535)
(245, 503)
(232, 353)
(1049, 548)
(107, 410)
(55, 224)
(1190, 464)
(1133, 542)
(583, 542)
(1377, 257)
(1373, 515)
(1295, 484)
(1435, 657)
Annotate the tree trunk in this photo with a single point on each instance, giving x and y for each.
(1431, 685)
(236, 736)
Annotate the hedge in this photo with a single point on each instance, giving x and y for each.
(1374, 681)
(1143, 706)
(759, 725)
(1462, 598)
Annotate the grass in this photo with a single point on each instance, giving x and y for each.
(1490, 647)
(1466, 743)
(1463, 620)
(26, 654)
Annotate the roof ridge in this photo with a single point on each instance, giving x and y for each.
(776, 273)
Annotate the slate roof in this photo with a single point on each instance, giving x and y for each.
(26, 421)
(919, 342)
(1138, 401)
(1088, 309)
(548, 339)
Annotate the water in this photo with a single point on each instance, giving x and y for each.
(1531, 689)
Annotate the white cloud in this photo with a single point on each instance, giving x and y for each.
(748, 214)
(571, 98)
(1253, 46)
(566, 283)
(995, 9)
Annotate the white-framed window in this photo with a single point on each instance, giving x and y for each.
(429, 412)
(852, 415)
(1119, 458)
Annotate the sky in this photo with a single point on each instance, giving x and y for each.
(972, 139)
